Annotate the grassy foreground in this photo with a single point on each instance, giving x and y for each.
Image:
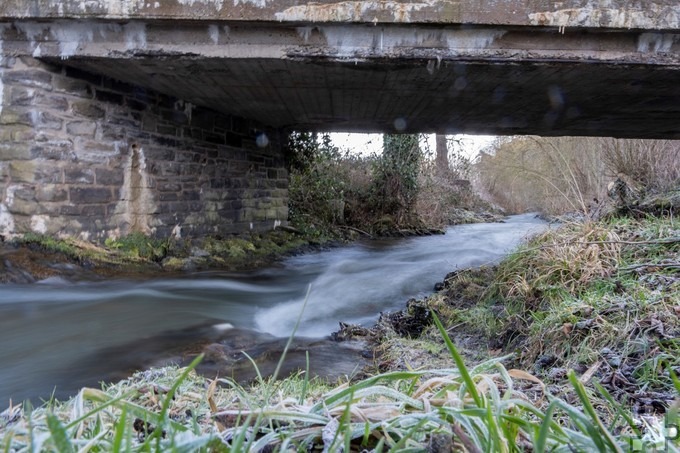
(484, 408)
(574, 337)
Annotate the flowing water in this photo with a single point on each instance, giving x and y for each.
(63, 334)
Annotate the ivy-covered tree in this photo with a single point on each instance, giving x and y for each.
(395, 177)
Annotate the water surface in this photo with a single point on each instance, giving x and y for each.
(60, 334)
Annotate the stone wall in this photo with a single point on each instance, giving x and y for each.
(89, 156)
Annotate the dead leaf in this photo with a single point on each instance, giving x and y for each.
(588, 375)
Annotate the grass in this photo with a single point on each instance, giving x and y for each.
(483, 408)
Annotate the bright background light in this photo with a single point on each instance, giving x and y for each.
(366, 144)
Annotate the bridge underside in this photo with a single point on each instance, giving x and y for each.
(387, 77)
(473, 97)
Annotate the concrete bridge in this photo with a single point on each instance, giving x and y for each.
(167, 115)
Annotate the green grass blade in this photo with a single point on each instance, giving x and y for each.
(676, 381)
(496, 442)
(121, 428)
(590, 410)
(260, 379)
(237, 444)
(469, 383)
(292, 335)
(541, 440)
(620, 410)
(305, 383)
(337, 397)
(59, 435)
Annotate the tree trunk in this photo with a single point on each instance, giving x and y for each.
(442, 149)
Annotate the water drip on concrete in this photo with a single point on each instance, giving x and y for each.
(136, 204)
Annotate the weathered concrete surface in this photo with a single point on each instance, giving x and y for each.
(390, 77)
(648, 14)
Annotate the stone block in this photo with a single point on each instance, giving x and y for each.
(23, 134)
(159, 154)
(109, 177)
(24, 192)
(70, 210)
(175, 116)
(239, 167)
(93, 210)
(15, 116)
(83, 195)
(186, 156)
(29, 78)
(22, 171)
(24, 207)
(82, 128)
(168, 130)
(51, 193)
(61, 150)
(170, 169)
(149, 123)
(47, 120)
(169, 187)
(87, 109)
(22, 96)
(78, 175)
(13, 151)
(53, 102)
(109, 97)
(72, 86)
(168, 196)
(123, 120)
(112, 133)
(189, 195)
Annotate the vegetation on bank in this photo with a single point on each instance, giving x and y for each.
(402, 191)
(36, 257)
(570, 344)
(555, 175)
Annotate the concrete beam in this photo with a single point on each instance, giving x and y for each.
(390, 77)
(620, 14)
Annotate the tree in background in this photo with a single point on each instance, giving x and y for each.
(442, 150)
(395, 177)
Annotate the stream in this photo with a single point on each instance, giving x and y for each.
(57, 336)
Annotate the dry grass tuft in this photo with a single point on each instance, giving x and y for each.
(566, 259)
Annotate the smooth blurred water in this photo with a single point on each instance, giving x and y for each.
(56, 333)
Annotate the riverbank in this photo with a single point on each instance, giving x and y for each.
(34, 257)
(598, 298)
